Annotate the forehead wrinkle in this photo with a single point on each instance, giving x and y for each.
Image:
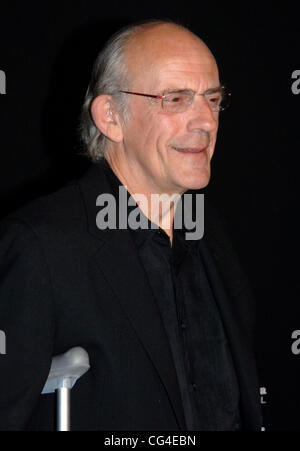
(191, 77)
(178, 75)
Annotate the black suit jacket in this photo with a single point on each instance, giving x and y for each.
(65, 283)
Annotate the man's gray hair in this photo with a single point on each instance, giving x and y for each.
(109, 75)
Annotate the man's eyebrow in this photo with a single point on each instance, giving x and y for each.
(212, 90)
(209, 90)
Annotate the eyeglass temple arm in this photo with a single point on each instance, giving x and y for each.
(144, 95)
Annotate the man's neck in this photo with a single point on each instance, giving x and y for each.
(157, 206)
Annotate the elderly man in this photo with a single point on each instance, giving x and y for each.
(167, 321)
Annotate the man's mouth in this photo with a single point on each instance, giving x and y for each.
(189, 149)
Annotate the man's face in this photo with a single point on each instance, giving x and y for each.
(170, 152)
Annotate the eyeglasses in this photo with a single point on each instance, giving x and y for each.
(179, 101)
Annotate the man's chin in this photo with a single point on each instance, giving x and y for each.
(197, 186)
(200, 182)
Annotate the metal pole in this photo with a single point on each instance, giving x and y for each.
(63, 409)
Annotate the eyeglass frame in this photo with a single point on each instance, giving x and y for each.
(161, 97)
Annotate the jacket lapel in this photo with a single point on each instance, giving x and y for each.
(229, 301)
(118, 260)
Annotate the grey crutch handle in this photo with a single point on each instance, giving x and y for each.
(65, 370)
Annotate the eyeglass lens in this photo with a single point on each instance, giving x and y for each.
(180, 101)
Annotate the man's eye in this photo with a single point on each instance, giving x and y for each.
(174, 98)
(216, 100)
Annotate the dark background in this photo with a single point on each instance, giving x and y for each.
(47, 50)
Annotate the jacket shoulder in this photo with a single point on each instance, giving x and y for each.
(59, 206)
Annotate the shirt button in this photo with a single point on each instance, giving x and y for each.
(183, 326)
(194, 387)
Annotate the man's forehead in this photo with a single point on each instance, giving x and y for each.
(169, 53)
(176, 72)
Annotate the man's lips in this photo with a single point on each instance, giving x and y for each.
(189, 149)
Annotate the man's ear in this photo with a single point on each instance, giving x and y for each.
(107, 118)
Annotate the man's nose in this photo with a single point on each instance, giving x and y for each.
(201, 117)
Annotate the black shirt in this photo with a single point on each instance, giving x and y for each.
(201, 354)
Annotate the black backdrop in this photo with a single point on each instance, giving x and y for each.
(46, 54)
